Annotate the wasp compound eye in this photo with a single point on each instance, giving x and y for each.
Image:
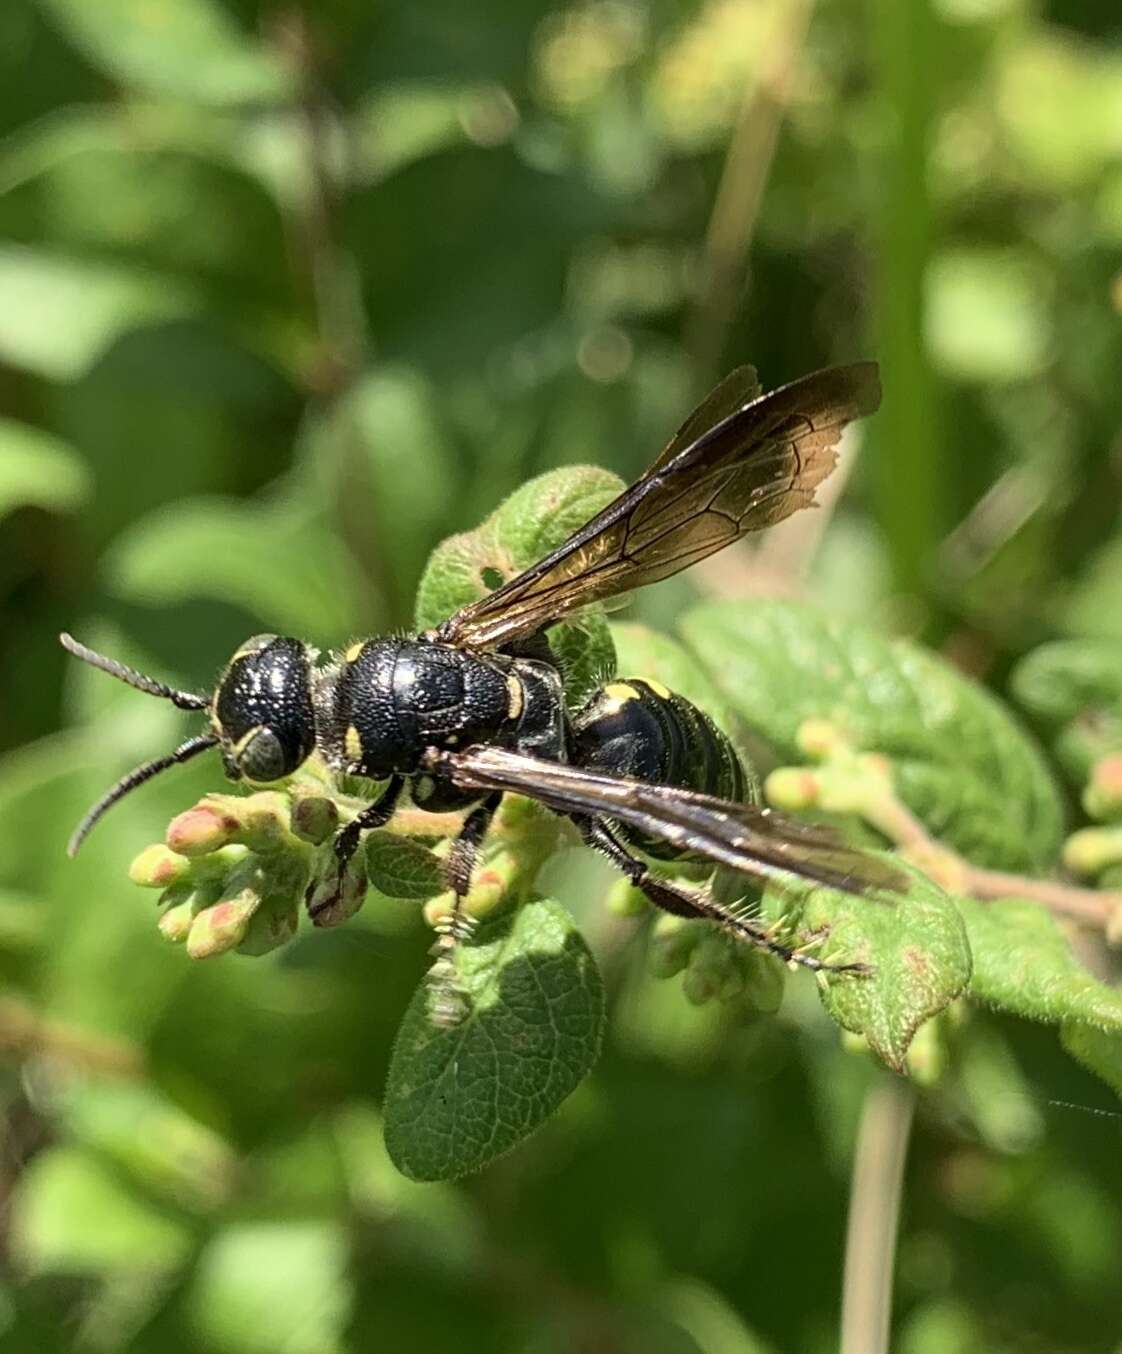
(262, 710)
(261, 758)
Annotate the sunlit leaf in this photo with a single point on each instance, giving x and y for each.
(60, 314)
(38, 469)
(189, 49)
(459, 1097)
(72, 1215)
(959, 759)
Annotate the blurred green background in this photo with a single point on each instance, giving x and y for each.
(287, 294)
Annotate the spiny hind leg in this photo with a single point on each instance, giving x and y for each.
(449, 1004)
(681, 901)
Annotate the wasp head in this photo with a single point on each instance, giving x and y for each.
(261, 716)
(261, 711)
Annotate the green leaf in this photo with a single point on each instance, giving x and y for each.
(917, 947)
(60, 315)
(545, 512)
(400, 867)
(1074, 689)
(1023, 963)
(532, 521)
(459, 1097)
(392, 128)
(38, 469)
(1059, 681)
(961, 761)
(188, 49)
(269, 1286)
(278, 561)
(150, 1138)
(1099, 1050)
(72, 1215)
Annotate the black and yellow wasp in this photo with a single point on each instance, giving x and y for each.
(463, 714)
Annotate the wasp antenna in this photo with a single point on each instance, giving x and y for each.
(145, 771)
(185, 700)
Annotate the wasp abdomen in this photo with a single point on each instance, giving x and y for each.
(638, 728)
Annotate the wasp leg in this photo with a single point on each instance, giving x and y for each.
(694, 903)
(461, 860)
(347, 838)
(450, 1004)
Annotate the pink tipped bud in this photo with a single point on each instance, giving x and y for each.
(219, 928)
(158, 868)
(201, 830)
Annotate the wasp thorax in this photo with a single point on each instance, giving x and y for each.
(262, 710)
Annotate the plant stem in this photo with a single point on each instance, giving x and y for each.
(874, 1210)
(1091, 906)
(737, 203)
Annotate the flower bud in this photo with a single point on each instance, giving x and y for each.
(792, 788)
(219, 928)
(819, 738)
(765, 978)
(202, 829)
(158, 868)
(175, 924)
(333, 899)
(1092, 849)
(437, 910)
(264, 818)
(314, 818)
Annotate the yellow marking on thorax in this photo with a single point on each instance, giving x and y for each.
(352, 744)
(515, 698)
(657, 687)
(621, 691)
(618, 694)
(354, 651)
(244, 740)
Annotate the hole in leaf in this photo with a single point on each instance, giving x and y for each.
(491, 577)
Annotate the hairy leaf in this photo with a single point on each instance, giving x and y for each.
(1099, 1050)
(400, 867)
(1074, 689)
(961, 762)
(459, 1097)
(532, 521)
(1023, 963)
(918, 951)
